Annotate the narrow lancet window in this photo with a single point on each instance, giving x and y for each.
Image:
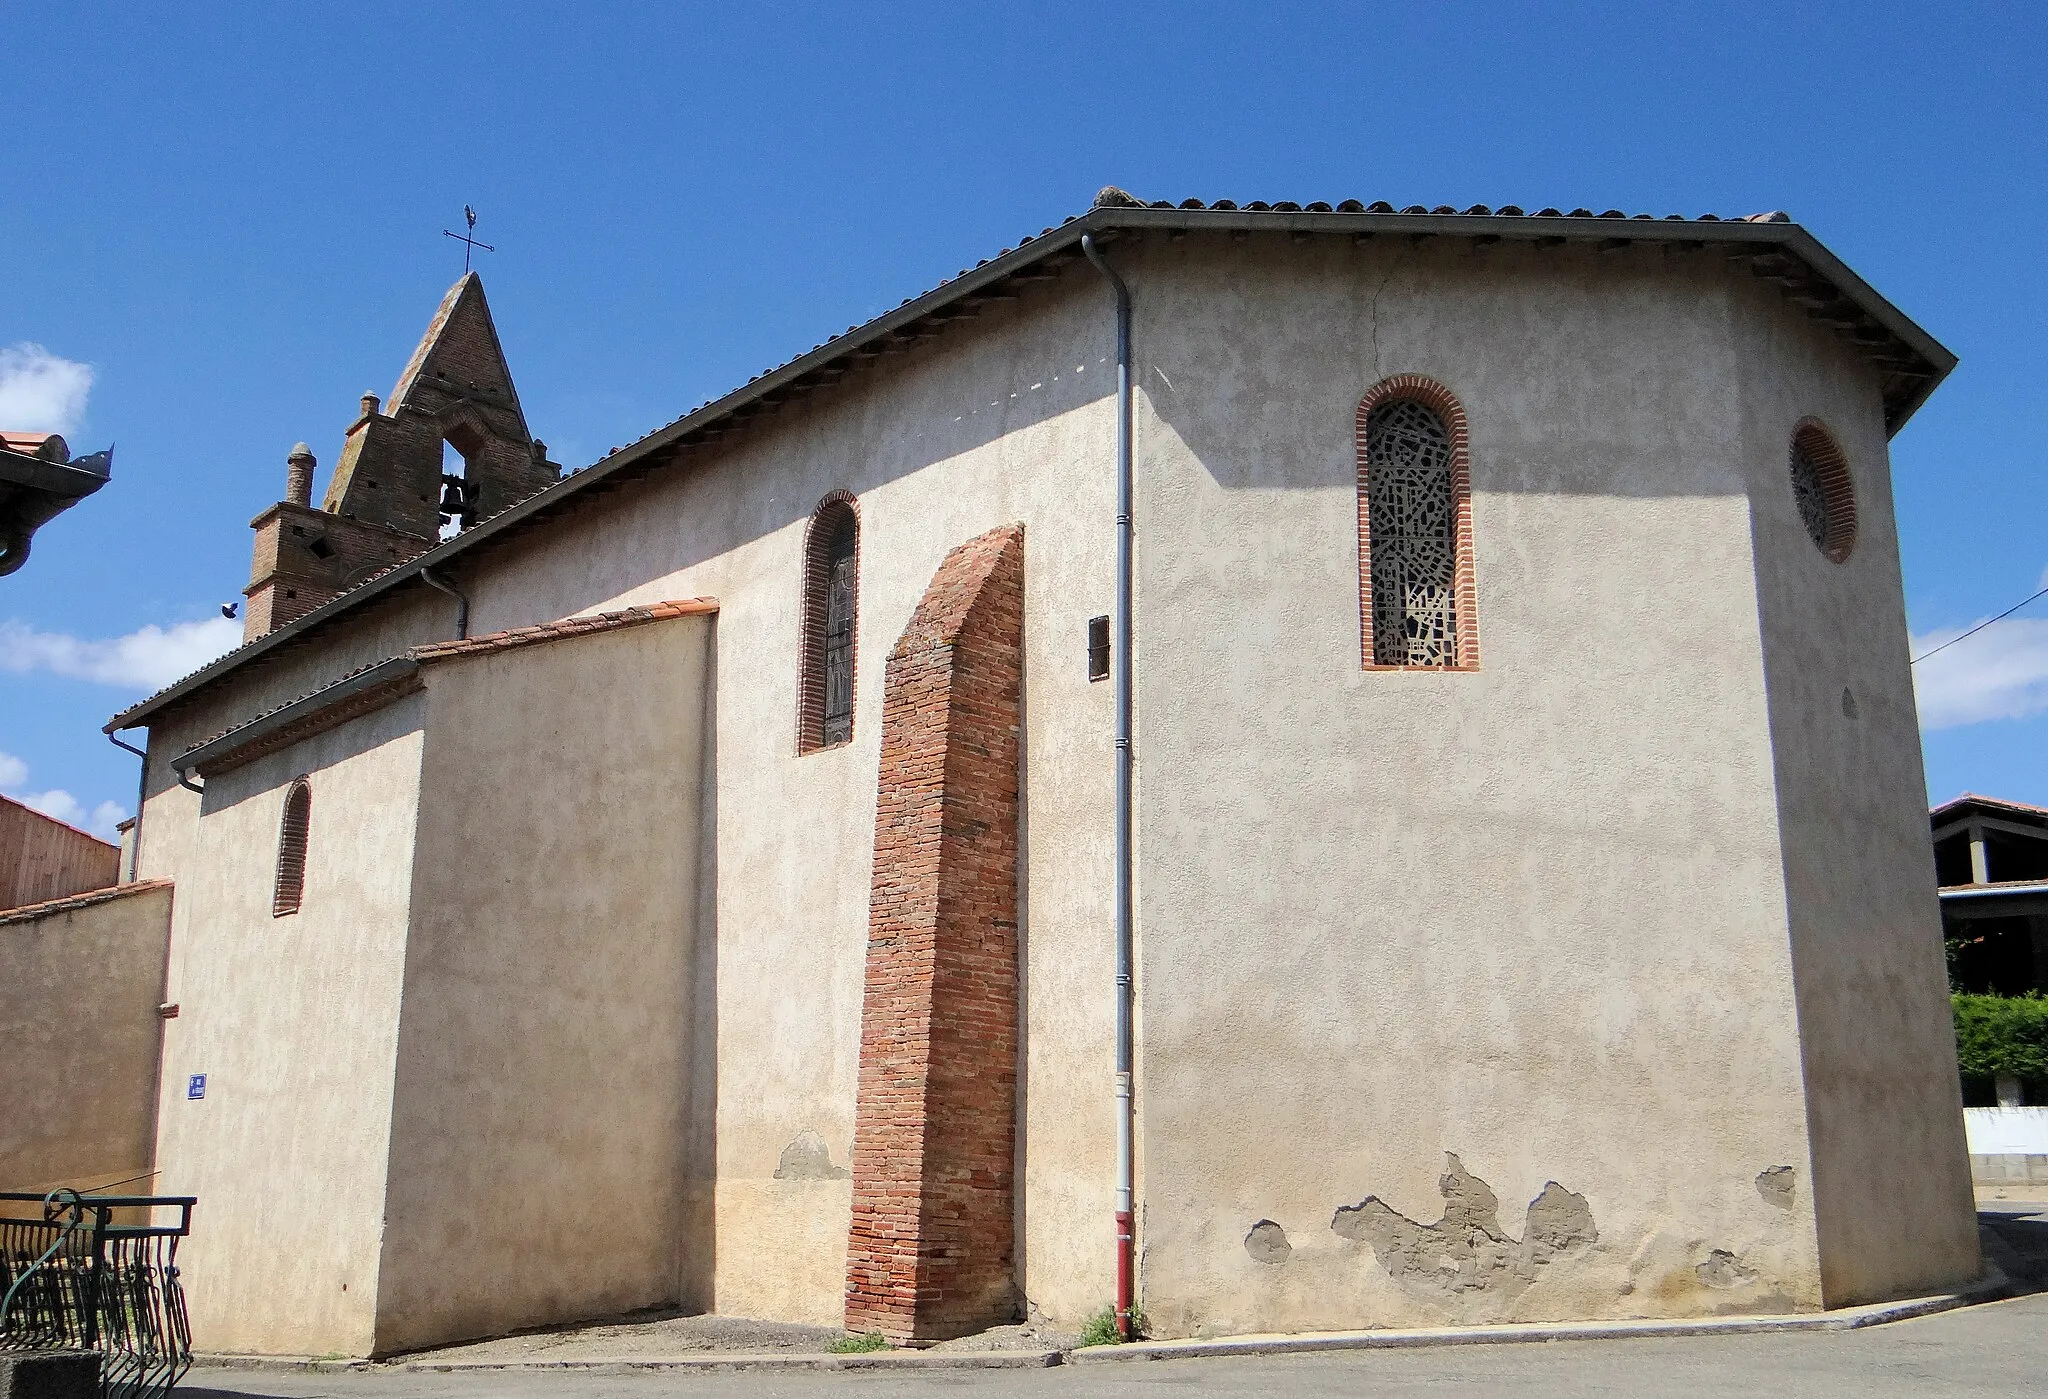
(1414, 528)
(831, 616)
(291, 849)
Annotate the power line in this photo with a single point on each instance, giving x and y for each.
(1980, 626)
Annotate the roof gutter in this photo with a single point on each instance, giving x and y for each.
(1102, 224)
(221, 746)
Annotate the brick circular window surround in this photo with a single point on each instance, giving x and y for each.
(1822, 490)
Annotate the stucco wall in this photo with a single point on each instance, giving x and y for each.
(1884, 1104)
(1005, 419)
(171, 813)
(79, 1109)
(1532, 916)
(539, 1130)
(294, 1022)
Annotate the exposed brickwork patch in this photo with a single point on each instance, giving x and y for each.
(931, 1251)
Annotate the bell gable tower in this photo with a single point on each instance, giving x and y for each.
(391, 495)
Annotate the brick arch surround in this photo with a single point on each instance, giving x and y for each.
(931, 1251)
(1445, 405)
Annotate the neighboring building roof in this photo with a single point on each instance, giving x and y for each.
(38, 482)
(2017, 898)
(1957, 807)
(1776, 250)
(374, 686)
(29, 912)
(44, 446)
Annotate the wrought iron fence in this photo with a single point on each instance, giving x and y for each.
(73, 1278)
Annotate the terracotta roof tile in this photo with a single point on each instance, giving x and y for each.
(898, 326)
(380, 694)
(44, 909)
(566, 627)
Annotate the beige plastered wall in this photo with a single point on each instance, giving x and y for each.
(1883, 1100)
(80, 1109)
(1008, 418)
(540, 1128)
(1533, 915)
(294, 1021)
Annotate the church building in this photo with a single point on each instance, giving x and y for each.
(1274, 767)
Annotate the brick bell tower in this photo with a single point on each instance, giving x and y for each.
(390, 495)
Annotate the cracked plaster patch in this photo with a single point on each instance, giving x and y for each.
(808, 1158)
(1466, 1251)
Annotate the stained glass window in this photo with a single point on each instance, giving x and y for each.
(1412, 516)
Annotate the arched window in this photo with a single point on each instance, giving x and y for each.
(291, 849)
(1415, 588)
(1822, 490)
(830, 624)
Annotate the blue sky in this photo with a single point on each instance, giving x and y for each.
(224, 226)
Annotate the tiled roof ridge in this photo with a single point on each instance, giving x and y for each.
(741, 399)
(2005, 802)
(69, 902)
(582, 625)
(505, 640)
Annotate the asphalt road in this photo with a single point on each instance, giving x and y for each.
(1996, 1349)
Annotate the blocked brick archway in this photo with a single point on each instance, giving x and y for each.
(931, 1251)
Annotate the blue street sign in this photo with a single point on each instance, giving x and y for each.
(195, 1086)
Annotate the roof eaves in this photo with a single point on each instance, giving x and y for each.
(370, 687)
(1064, 239)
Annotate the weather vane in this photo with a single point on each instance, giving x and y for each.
(469, 243)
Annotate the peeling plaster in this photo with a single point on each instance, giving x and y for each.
(1724, 1270)
(1267, 1243)
(808, 1158)
(1776, 1185)
(1466, 1251)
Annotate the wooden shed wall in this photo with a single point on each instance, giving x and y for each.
(45, 859)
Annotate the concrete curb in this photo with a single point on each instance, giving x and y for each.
(858, 1360)
(1993, 1286)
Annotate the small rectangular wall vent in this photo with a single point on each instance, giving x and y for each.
(1098, 648)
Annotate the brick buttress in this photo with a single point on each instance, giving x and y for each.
(931, 1251)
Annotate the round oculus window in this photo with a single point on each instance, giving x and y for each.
(1822, 491)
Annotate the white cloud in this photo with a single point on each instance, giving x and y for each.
(2000, 673)
(42, 392)
(62, 806)
(100, 820)
(148, 659)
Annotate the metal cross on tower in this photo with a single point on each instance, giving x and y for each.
(469, 243)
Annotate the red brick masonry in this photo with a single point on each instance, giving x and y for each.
(930, 1254)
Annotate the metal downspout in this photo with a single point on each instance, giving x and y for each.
(461, 601)
(1125, 1049)
(141, 794)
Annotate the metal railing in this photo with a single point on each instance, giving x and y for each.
(75, 1279)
